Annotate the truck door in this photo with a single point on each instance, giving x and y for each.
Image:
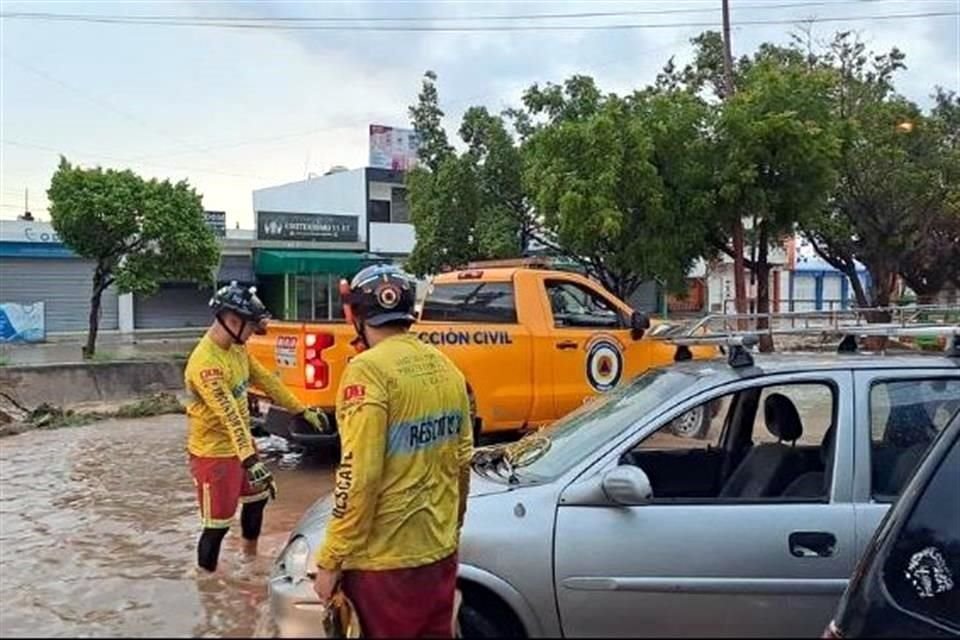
(590, 336)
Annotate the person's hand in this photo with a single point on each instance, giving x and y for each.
(313, 418)
(325, 584)
(259, 475)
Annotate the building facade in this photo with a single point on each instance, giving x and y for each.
(312, 233)
(35, 266)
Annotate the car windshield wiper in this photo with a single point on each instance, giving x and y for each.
(507, 458)
(494, 458)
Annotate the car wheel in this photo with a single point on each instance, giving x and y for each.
(692, 424)
(485, 622)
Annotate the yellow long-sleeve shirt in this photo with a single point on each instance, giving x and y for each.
(407, 439)
(217, 414)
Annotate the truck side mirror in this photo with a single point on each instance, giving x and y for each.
(639, 323)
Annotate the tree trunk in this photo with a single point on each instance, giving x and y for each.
(94, 320)
(857, 285)
(762, 272)
(94, 324)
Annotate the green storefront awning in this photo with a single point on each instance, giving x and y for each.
(281, 261)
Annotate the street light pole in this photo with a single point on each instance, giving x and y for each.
(739, 284)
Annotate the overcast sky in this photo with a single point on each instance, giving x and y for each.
(236, 109)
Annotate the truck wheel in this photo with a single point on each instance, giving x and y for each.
(692, 424)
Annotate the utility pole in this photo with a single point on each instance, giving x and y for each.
(739, 284)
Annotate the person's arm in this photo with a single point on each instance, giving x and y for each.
(271, 385)
(362, 422)
(465, 455)
(209, 384)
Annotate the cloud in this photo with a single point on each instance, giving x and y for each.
(271, 105)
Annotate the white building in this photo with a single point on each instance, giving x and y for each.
(312, 233)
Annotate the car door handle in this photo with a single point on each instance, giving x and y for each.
(567, 344)
(812, 544)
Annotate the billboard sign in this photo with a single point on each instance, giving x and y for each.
(306, 227)
(392, 148)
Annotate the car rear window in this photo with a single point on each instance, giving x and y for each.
(490, 302)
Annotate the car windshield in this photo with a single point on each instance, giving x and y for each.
(582, 432)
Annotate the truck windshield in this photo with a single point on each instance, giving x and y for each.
(587, 429)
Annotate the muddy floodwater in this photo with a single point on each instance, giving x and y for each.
(98, 527)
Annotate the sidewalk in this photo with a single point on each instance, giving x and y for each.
(110, 347)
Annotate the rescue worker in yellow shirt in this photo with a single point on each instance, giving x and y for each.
(223, 458)
(400, 491)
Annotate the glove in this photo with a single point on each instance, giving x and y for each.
(259, 475)
(313, 418)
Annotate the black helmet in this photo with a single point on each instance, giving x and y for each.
(242, 301)
(378, 295)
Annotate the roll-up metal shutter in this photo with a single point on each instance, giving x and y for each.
(63, 284)
(173, 306)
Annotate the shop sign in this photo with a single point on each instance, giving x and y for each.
(306, 227)
(217, 222)
(28, 231)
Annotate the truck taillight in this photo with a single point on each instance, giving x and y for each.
(316, 372)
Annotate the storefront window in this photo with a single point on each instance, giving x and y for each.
(317, 297)
(303, 286)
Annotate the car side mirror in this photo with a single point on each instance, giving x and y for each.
(628, 486)
(639, 323)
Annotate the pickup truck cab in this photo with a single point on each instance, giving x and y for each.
(534, 344)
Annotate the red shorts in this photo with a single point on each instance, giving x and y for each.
(404, 603)
(222, 485)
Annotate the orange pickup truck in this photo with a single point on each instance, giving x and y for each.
(533, 343)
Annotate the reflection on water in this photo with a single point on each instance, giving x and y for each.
(98, 527)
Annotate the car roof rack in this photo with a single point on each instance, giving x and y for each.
(738, 332)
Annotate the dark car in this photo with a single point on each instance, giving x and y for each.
(908, 582)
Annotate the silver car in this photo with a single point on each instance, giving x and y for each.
(608, 523)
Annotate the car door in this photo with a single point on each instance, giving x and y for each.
(709, 566)
(899, 412)
(590, 336)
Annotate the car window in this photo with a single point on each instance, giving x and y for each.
(702, 424)
(814, 405)
(905, 417)
(922, 572)
(573, 305)
(489, 302)
(692, 458)
(580, 433)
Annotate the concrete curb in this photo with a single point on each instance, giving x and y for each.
(68, 384)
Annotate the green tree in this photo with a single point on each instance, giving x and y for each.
(469, 206)
(138, 232)
(894, 208)
(773, 145)
(618, 181)
(931, 258)
(775, 150)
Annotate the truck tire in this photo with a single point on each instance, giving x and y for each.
(693, 424)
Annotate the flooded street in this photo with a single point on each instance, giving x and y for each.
(98, 527)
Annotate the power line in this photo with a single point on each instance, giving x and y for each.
(99, 101)
(213, 23)
(447, 107)
(376, 19)
(40, 147)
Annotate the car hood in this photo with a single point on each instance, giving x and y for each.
(314, 520)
